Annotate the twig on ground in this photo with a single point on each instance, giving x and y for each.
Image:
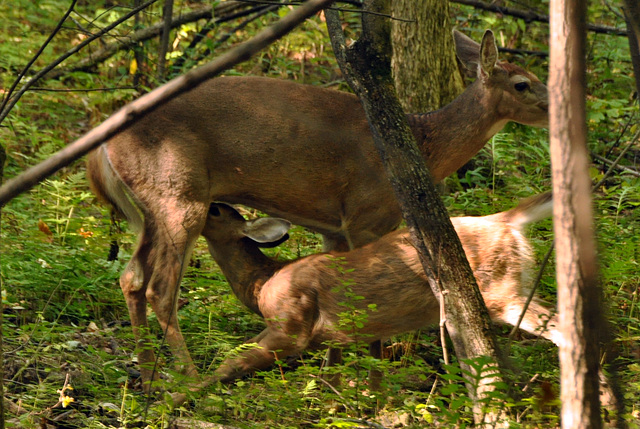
(344, 401)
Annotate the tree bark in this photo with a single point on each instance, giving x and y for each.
(423, 62)
(577, 274)
(366, 65)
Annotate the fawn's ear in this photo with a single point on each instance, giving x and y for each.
(266, 230)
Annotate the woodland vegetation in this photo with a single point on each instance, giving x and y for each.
(68, 344)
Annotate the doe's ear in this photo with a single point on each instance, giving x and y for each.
(266, 229)
(488, 53)
(468, 53)
(478, 59)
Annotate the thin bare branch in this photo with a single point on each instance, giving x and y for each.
(24, 71)
(524, 52)
(60, 59)
(223, 11)
(259, 11)
(529, 16)
(532, 293)
(354, 3)
(81, 89)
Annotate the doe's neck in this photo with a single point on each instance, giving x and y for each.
(450, 136)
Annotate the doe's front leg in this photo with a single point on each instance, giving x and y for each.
(133, 283)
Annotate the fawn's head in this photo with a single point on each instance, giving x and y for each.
(226, 226)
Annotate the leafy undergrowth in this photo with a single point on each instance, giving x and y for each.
(68, 346)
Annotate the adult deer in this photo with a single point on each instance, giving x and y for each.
(300, 300)
(296, 151)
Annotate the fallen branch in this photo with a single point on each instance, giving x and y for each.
(13, 408)
(184, 423)
(606, 161)
(149, 102)
(632, 14)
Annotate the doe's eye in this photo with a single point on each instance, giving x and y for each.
(521, 86)
(214, 210)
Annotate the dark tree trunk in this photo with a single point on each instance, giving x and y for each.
(579, 310)
(632, 12)
(366, 65)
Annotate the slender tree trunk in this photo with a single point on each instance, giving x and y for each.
(138, 50)
(632, 12)
(3, 158)
(167, 13)
(577, 274)
(366, 65)
(423, 63)
(632, 15)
